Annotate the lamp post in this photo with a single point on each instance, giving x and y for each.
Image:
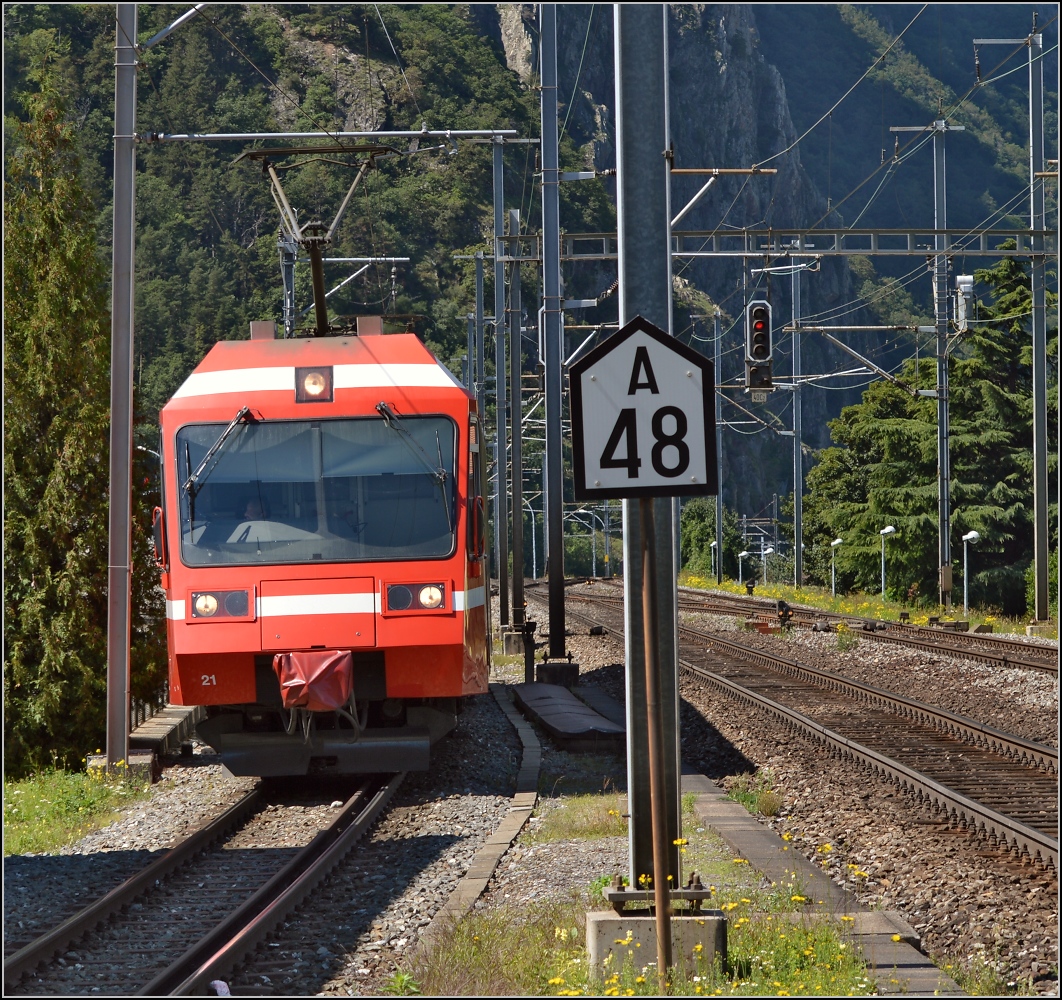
(741, 565)
(970, 536)
(833, 565)
(766, 553)
(713, 547)
(888, 530)
(534, 552)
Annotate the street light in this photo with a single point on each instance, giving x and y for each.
(833, 565)
(970, 536)
(889, 530)
(741, 555)
(766, 553)
(713, 548)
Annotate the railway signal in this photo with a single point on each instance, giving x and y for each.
(758, 347)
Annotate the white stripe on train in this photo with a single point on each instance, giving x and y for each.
(329, 604)
(276, 379)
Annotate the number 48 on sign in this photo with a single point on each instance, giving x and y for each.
(643, 420)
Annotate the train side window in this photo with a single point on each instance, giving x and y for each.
(476, 520)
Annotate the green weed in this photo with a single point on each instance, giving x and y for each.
(55, 808)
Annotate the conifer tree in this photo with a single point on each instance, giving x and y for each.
(56, 389)
(884, 470)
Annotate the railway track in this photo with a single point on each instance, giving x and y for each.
(1001, 786)
(194, 913)
(984, 648)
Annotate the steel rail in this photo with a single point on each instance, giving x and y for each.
(958, 644)
(982, 819)
(1027, 752)
(965, 652)
(960, 809)
(236, 936)
(45, 947)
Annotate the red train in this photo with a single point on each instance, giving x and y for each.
(322, 545)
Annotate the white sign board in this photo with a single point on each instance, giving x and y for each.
(643, 419)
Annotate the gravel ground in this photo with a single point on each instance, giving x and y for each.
(968, 902)
(964, 899)
(1015, 700)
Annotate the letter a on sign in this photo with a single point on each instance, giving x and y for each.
(630, 439)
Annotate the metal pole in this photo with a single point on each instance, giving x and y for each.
(882, 567)
(654, 712)
(608, 545)
(470, 355)
(516, 356)
(833, 572)
(481, 392)
(643, 217)
(119, 525)
(719, 445)
(501, 506)
(965, 578)
(1041, 538)
(798, 455)
(552, 304)
(940, 302)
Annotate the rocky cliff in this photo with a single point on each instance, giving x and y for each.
(728, 108)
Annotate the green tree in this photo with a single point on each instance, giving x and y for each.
(56, 362)
(698, 532)
(884, 470)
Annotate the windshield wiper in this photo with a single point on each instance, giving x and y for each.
(437, 472)
(192, 484)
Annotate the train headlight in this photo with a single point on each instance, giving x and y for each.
(416, 597)
(313, 385)
(430, 596)
(206, 605)
(399, 598)
(222, 605)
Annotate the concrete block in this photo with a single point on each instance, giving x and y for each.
(983, 628)
(634, 937)
(557, 672)
(1044, 630)
(142, 766)
(513, 643)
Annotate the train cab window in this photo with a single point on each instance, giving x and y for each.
(476, 528)
(298, 491)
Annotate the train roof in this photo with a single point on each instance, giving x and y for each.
(260, 373)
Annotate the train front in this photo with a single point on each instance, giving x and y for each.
(322, 552)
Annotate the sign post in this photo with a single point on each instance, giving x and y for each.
(643, 426)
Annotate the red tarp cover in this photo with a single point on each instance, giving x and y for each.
(319, 680)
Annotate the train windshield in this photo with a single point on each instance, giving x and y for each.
(299, 491)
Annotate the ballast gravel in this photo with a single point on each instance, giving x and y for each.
(969, 903)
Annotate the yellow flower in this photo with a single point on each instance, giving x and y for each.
(896, 937)
(847, 920)
(556, 981)
(798, 899)
(787, 836)
(740, 861)
(698, 948)
(639, 979)
(680, 842)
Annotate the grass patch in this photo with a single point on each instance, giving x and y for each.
(755, 792)
(980, 976)
(545, 955)
(54, 808)
(861, 604)
(570, 773)
(776, 945)
(579, 817)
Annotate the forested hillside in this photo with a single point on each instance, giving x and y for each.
(749, 84)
